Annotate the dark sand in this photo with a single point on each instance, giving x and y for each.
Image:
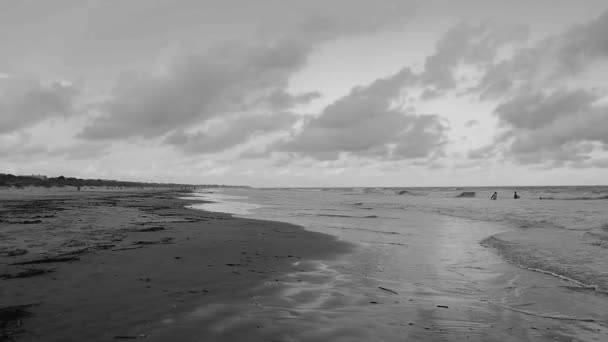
(129, 283)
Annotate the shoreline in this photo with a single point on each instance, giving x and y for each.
(528, 259)
(137, 288)
(443, 265)
(220, 277)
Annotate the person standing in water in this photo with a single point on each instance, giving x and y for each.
(515, 195)
(494, 196)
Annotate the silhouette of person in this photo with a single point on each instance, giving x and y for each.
(494, 196)
(515, 195)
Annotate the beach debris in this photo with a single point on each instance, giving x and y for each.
(74, 243)
(30, 222)
(130, 337)
(14, 252)
(10, 320)
(388, 290)
(165, 240)
(27, 273)
(150, 229)
(87, 250)
(47, 260)
(44, 216)
(128, 248)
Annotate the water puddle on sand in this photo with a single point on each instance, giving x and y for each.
(221, 203)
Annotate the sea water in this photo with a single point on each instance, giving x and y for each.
(552, 226)
(436, 245)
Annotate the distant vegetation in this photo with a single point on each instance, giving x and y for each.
(23, 181)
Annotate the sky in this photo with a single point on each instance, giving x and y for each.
(282, 93)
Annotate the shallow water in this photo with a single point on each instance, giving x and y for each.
(571, 229)
(425, 252)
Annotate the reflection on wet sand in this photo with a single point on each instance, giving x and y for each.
(433, 283)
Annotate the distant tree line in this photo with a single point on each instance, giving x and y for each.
(23, 181)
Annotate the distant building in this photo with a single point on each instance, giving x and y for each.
(39, 176)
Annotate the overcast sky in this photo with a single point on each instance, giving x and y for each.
(306, 93)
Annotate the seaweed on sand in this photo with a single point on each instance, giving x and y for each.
(30, 272)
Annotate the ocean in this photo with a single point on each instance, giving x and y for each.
(544, 254)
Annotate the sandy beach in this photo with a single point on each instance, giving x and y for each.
(132, 282)
(139, 265)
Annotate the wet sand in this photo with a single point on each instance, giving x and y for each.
(213, 277)
(148, 284)
(428, 280)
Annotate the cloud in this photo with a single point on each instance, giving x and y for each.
(281, 100)
(224, 80)
(471, 123)
(484, 152)
(552, 59)
(230, 77)
(366, 123)
(229, 132)
(196, 88)
(556, 127)
(25, 102)
(369, 123)
(536, 110)
(464, 44)
(544, 118)
(80, 150)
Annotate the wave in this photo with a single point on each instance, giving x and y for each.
(583, 198)
(349, 216)
(335, 215)
(534, 260)
(604, 197)
(408, 193)
(369, 230)
(467, 194)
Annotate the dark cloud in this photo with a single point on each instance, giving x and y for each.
(562, 126)
(100, 35)
(581, 127)
(550, 60)
(544, 122)
(536, 110)
(230, 132)
(227, 79)
(422, 138)
(25, 102)
(196, 88)
(281, 100)
(474, 45)
(366, 123)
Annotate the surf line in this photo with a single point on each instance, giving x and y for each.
(581, 284)
(563, 318)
